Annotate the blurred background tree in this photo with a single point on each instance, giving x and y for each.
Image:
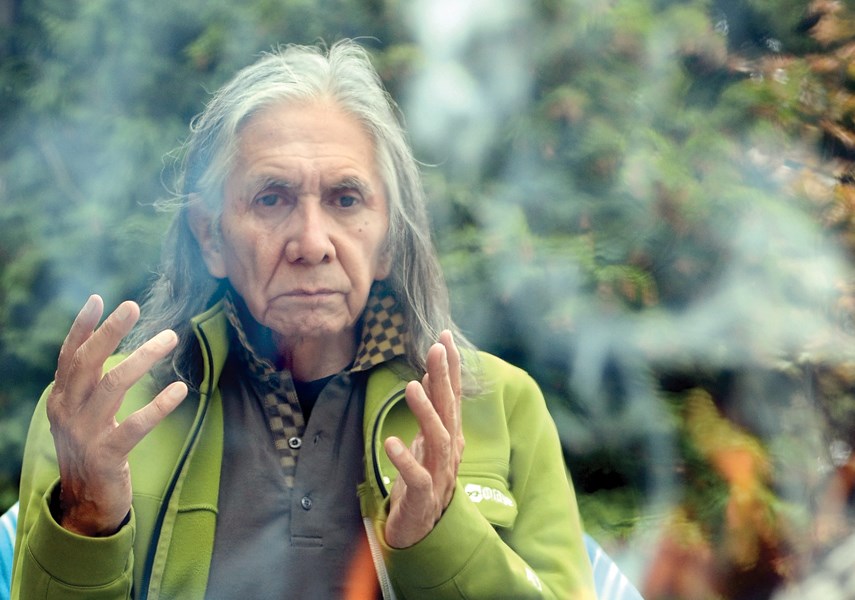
(648, 204)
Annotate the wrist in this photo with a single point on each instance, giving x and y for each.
(82, 518)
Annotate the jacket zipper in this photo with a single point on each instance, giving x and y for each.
(373, 543)
(377, 557)
(161, 515)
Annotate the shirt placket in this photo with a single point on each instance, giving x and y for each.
(285, 418)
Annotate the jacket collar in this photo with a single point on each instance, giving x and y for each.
(212, 332)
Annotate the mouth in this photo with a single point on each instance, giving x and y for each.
(310, 293)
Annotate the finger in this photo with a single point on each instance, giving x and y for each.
(138, 424)
(87, 363)
(454, 362)
(115, 383)
(410, 470)
(417, 447)
(436, 441)
(80, 331)
(426, 384)
(107, 337)
(445, 385)
(439, 388)
(423, 409)
(455, 377)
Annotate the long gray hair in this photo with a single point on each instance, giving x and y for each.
(297, 74)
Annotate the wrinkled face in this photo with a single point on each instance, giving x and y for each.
(304, 222)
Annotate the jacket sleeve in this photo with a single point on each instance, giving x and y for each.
(542, 555)
(49, 561)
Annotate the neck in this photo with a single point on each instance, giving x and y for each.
(309, 359)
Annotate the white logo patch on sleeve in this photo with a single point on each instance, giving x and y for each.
(482, 493)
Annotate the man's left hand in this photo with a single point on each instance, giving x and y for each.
(428, 468)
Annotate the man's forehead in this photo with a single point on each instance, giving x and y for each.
(257, 124)
(320, 131)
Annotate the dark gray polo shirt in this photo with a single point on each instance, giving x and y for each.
(273, 542)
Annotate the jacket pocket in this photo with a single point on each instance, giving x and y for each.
(491, 494)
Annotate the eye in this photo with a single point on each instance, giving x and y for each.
(267, 200)
(347, 200)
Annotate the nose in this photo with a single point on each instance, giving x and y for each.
(308, 235)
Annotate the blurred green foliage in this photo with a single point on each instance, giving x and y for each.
(662, 208)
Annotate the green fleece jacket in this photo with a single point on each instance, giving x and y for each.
(512, 529)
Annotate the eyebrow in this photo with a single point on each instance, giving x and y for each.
(353, 183)
(261, 184)
(265, 183)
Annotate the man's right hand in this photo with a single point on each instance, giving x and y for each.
(91, 446)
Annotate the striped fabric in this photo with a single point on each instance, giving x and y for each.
(8, 523)
(609, 582)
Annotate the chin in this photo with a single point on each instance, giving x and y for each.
(311, 329)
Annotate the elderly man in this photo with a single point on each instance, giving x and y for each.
(288, 416)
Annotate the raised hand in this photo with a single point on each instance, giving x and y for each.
(91, 446)
(427, 470)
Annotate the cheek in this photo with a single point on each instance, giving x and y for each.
(247, 249)
(383, 255)
(383, 264)
(375, 257)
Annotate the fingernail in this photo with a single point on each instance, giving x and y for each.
(420, 391)
(165, 338)
(396, 448)
(88, 307)
(123, 312)
(176, 390)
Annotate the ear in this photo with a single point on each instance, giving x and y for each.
(384, 262)
(202, 225)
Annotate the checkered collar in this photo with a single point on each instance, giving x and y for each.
(383, 334)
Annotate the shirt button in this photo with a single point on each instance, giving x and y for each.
(306, 503)
(295, 442)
